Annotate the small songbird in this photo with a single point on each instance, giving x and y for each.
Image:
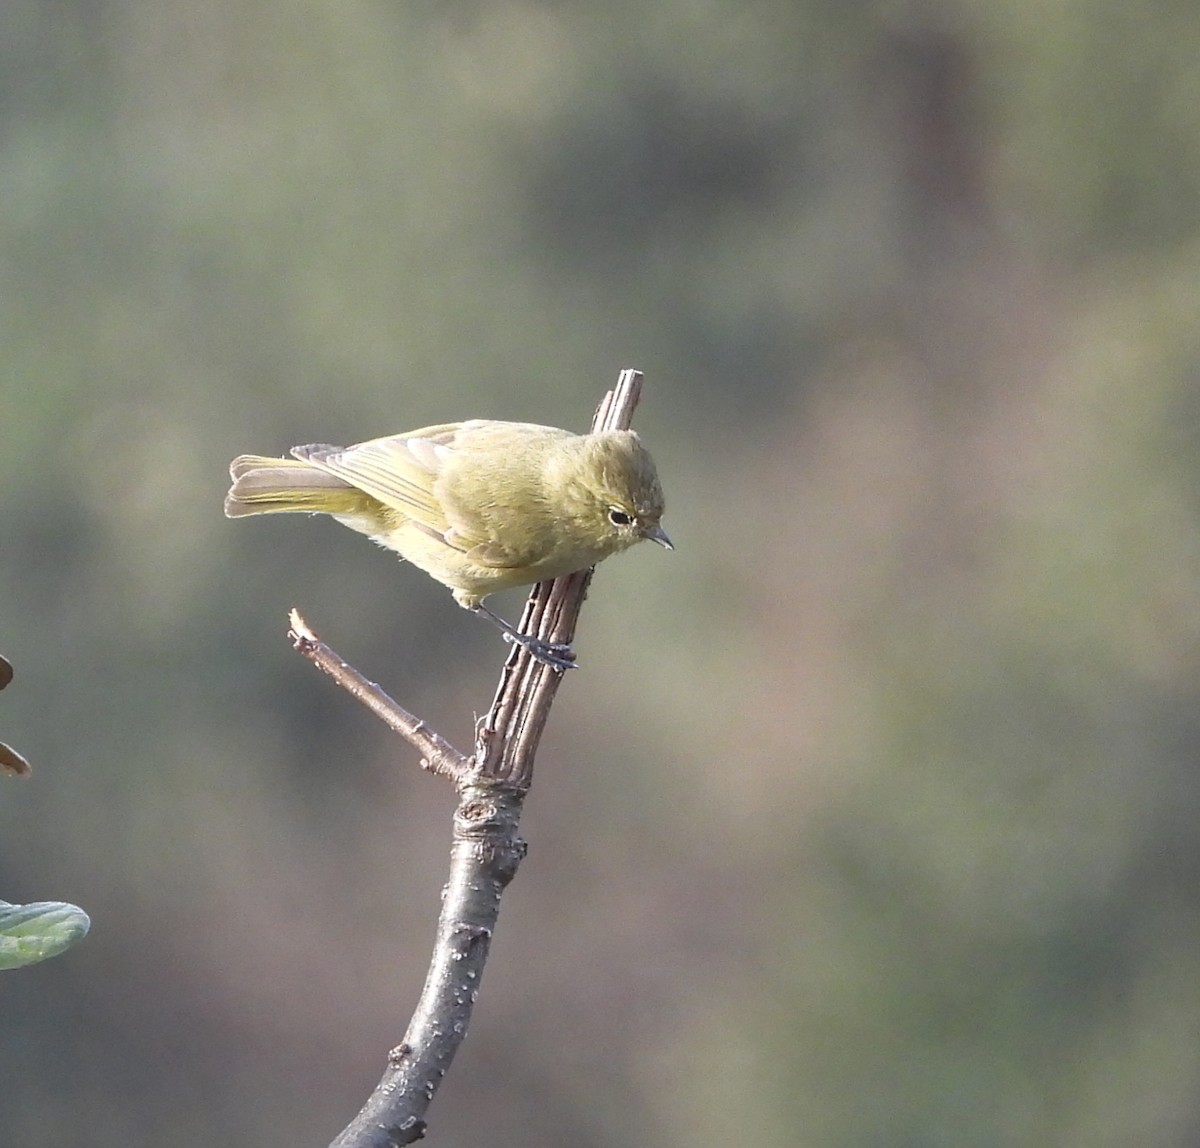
(480, 506)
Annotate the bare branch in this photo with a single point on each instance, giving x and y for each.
(437, 754)
(486, 848)
(483, 858)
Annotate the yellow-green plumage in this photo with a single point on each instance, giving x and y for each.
(480, 506)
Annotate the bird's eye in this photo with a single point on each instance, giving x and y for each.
(618, 517)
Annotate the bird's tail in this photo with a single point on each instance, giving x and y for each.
(281, 485)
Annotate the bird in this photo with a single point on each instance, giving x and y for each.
(480, 506)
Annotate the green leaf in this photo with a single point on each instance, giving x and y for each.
(31, 933)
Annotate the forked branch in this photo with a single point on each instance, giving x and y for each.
(486, 849)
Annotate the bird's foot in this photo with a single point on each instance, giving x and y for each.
(557, 655)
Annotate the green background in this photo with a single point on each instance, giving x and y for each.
(871, 820)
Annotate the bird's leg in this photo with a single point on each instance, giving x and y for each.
(559, 655)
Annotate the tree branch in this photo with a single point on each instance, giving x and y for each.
(485, 849)
(437, 754)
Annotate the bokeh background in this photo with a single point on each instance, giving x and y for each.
(872, 820)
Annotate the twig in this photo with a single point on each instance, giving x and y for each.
(486, 849)
(437, 754)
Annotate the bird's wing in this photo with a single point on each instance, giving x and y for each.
(400, 471)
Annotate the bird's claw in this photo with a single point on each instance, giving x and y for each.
(557, 655)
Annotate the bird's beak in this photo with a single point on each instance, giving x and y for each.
(657, 534)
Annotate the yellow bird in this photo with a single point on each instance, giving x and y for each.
(480, 506)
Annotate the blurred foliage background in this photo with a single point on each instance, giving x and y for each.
(871, 819)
